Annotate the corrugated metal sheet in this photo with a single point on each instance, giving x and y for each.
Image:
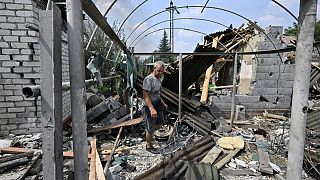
(313, 121)
(192, 68)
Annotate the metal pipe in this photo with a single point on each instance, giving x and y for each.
(235, 65)
(180, 86)
(77, 89)
(35, 91)
(96, 27)
(306, 24)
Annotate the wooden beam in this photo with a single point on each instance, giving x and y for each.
(112, 152)
(117, 125)
(99, 168)
(92, 173)
(226, 159)
(263, 157)
(212, 155)
(14, 150)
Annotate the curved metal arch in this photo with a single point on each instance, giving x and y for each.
(287, 10)
(201, 19)
(217, 8)
(185, 29)
(124, 21)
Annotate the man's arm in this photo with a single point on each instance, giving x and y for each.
(164, 104)
(147, 99)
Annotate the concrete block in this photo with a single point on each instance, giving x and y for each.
(4, 70)
(3, 110)
(3, 19)
(4, 57)
(5, 81)
(33, 33)
(14, 6)
(26, 115)
(7, 1)
(21, 57)
(14, 98)
(10, 63)
(6, 92)
(34, 76)
(26, 13)
(272, 76)
(3, 121)
(10, 76)
(29, 125)
(19, 109)
(17, 92)
(268, 45)
(31, 64)
(18, 121)
(23, 1)
(19, 33)
(22, 70)
(4, 31)
(270, 91)
(20, 81)
(10, 51)
(268, 83)
(4, 45)
(8, 127)
(261, 76)
(19, 45)
(16, 19)
(24, 103)
(283, 105)
(287, 76)
(28, 7)
(22, 26)
(7, 13)
(285, 91)
(12, 87)
(287, 68)
(26, 51)
(289, 84)
(2, 5)
(29, 39)
(4, 133)
(274, 55)
(19, 131)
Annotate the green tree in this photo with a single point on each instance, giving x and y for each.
(293, 30)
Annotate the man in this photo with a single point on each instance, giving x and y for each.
(153, 104)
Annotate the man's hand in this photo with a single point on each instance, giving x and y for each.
(153, 113)
(165, 106)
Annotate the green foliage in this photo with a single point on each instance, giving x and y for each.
(293, 30)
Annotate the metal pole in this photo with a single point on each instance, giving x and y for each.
(96, 27)
(171, 24)
(235, 64)
(306, 25)
(180, 86)
(77, 89)
(51, 101)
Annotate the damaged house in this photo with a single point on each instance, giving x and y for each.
(233, 110)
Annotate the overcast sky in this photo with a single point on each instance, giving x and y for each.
(264, 12)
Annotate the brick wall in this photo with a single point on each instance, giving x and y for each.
(271, 83)
(20, 66)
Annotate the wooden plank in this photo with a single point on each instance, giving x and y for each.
(205, 87)
(263, 157)
(226, 159)
(106, 168)
(212, 155)
(34, 161)
(117, 125)
(69, 154)
(92, 174)
(15, 156)
(99, 168)
(14, 150)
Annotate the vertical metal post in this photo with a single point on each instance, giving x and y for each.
(77, 89)
(180, 87)
(171, 26)
(233, 104)
(306, 25)
(51, 101)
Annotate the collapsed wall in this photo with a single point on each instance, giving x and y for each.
(269, 80)
(20, 66)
